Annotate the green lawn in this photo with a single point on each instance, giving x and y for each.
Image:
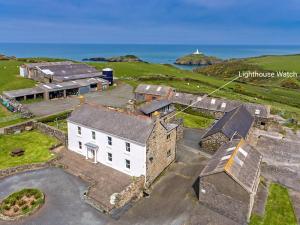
(8, 118)
(194, 121)
(35, 144)
(279, 209)
(59, 124)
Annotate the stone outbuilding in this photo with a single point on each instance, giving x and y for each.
(166, 110)
(147, 92)
(229, 182)
(235, 124)
(217, 107)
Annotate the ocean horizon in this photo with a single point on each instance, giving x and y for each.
(153, 53)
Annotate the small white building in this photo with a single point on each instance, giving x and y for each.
(134, 145)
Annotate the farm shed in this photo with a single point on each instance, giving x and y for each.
(229, 182)
(147, 92)
(235, 124)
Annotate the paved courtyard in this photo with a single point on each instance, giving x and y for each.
(115, 97)
(106, 181)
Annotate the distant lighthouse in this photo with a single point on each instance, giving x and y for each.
(197, 52)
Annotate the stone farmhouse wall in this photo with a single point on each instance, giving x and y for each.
(213, 142)
(160, 152)
(132, 192)
(223, 195)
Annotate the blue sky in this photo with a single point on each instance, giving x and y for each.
(151, 21)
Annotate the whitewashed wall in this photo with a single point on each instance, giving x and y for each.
(137, 154)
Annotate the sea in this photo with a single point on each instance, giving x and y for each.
(154, 53)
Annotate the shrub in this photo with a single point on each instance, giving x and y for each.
(21, 202)
(16, 209)
(33, 202)
(25, 208)
(7, 207)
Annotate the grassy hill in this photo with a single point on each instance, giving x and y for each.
(286, 62)
(197, 59)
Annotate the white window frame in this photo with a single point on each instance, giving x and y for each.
(79, 130)
(109, 157)
(93, 135)
(127, 164)
(127, 146)
(80, 145)
(109, 140)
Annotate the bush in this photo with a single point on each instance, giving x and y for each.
(290, 84)
(16, 209)
(6, 207)
(21, 202)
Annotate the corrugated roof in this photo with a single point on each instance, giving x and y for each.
(127, 126)
(160, 90)
(239, 160)
(155, 105)
(237, 121)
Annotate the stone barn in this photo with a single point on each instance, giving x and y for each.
(229, 182)
(147, 92)
(235, 124)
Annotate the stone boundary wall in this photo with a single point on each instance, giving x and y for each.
(29, 167)
(44, 128)
(133, 191)
(18, 127)
(52, 131)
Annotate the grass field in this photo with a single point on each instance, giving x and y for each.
(279, 209)
(194, 121)
(35, 144)
(9, 76)
(278, 63)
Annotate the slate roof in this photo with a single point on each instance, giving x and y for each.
(237, 121)
(218, 104)
(159, 90)
(153, 106)
(23, 92)
(237, 159)
(131, 127)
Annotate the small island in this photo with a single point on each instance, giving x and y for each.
(21, 203)
(123, 58)
(198, 59)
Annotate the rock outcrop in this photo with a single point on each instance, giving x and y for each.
(197, 59)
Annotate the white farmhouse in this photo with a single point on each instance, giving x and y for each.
(135, 145)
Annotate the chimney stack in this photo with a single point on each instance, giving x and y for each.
(131, 106)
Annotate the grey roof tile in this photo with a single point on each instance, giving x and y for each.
(124, 125)
(237, 121)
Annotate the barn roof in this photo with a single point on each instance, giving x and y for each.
(237, 159)
(235, 122)
(155, 105)
(159, 90)
(67, 70)
(121, 124)
(219, 104)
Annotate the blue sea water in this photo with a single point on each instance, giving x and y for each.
(161, 53)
